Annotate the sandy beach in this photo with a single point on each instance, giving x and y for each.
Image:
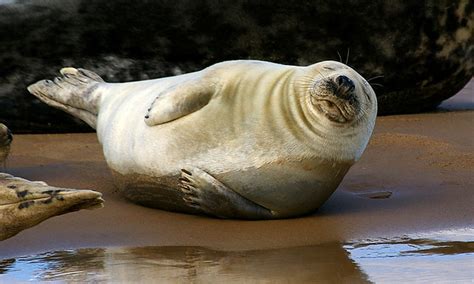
(416, 176)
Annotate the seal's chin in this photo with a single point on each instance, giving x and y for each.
(336, 110)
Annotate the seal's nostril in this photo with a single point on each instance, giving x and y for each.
(9, 135)
(344, 81)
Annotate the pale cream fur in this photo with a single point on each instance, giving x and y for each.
(240, 116)
(257, 132)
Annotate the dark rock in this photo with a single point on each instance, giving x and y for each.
(423, 49)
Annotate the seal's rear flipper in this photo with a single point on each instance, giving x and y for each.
(75, 92)
(208, 195)
(71, 74)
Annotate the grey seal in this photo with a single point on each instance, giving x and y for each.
(239, 139)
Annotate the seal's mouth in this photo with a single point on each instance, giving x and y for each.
(335, 110)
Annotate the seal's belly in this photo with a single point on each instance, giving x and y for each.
(255, 164)
(152, 191)
(288, 188)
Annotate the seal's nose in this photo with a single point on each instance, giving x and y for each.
(9, 135)
(345, 82)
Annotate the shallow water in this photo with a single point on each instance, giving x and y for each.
(419, 261)
(440, 259)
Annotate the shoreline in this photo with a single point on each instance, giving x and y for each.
(414, 177)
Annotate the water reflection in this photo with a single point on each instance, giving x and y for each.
(415, 260)
(401, 260)
(328, 263)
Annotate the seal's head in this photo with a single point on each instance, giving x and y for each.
(341, 95)
(5, 141)
(341, 108)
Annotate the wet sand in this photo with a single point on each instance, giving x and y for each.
(415, 177)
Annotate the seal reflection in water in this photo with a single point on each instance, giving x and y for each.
(239, 139)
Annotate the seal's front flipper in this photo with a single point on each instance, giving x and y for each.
(205, 193)
(179, 101)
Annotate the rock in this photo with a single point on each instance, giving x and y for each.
(423, 49)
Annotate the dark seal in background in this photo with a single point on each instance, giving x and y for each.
(423, 49)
